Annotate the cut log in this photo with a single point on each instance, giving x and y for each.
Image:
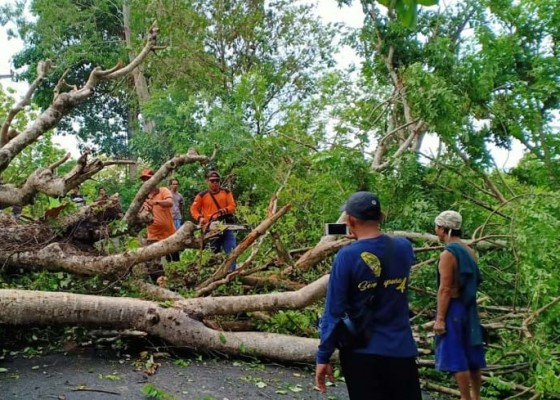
(22, 307)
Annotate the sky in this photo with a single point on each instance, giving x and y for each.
(328, 10)
(7, 49)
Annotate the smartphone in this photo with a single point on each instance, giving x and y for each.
(336, 229)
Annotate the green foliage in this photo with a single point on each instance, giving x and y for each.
(78, 36)
(406, 10)
(536, 227)
(181, 363)
(302, 322)
(259, 80)
(152, 392)
(533, 172)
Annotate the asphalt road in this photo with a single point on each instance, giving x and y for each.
(98, 377)
(93, 376)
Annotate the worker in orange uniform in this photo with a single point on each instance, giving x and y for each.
(159, 202)
(213, 204)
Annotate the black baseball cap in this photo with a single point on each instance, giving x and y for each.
(363, 205)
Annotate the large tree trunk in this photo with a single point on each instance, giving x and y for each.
(179, 325)
(140, 84)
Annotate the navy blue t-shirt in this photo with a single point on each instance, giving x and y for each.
(355, 274)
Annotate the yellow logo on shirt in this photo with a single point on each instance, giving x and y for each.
(372, 262)
(400, 283)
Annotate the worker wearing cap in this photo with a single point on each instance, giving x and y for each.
(459, 348)
(159, 202)
(369, 282)
(213, 204)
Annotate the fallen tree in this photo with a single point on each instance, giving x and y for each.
(60, 242)
(55, 242)
(179, 324)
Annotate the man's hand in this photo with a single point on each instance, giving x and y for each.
(202, 222)
(322, 371)
(439, 327)
(351, 236)
(147, 205)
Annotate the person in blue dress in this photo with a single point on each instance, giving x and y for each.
(458, 341)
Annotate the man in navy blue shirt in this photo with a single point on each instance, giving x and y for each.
(370, 276)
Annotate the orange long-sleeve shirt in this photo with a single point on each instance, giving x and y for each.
(203, 204)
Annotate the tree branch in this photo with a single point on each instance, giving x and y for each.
(493, 188)
(43, 69)
(63, 103)
(58, 256)
(177, 161)
(228, 305)
(202, 289)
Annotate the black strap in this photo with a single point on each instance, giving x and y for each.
(215, 202)
(218, 207)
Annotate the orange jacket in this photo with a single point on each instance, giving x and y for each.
(203, 204)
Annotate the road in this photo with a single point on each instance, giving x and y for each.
(101, 376)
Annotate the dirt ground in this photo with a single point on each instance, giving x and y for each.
(92, 375)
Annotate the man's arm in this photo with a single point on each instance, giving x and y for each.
(167, 198)
(230, 203)
(164, 203)
(335, 306)
(196, 208)
(445, 267)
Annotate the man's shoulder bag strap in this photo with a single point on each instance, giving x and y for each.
(227, 218)
(214, 200)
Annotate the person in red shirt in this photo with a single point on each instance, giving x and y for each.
(215, 203)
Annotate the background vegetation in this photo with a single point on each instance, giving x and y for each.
(259, 79)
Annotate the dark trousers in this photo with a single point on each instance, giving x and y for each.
(225, 241)
(373, 377)
(173, 257)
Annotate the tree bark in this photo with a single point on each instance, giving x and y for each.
(43, 180)
(140, 83)
(175, 324)
(61, 256)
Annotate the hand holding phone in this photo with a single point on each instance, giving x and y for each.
(336, 229)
